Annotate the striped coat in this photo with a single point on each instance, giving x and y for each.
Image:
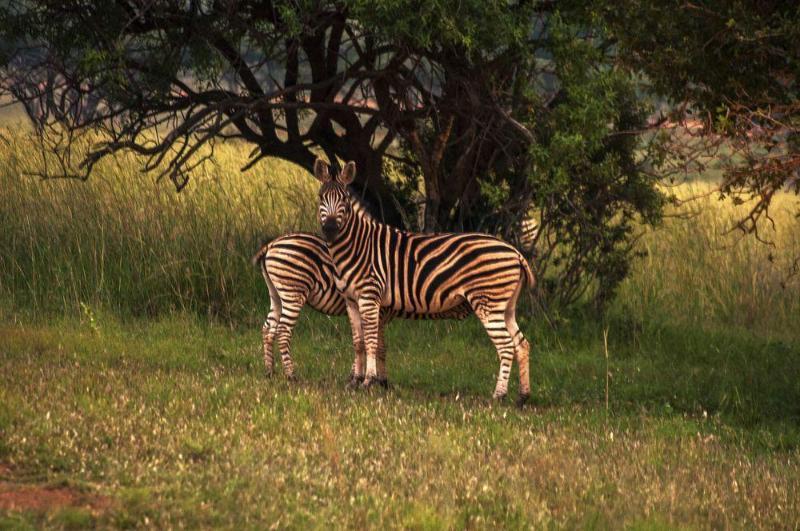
(378, 266)
(527, 235)
(298, 271)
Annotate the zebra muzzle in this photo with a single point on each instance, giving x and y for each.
(330, 230)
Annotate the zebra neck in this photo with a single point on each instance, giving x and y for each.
(360, 210)
(361, 219)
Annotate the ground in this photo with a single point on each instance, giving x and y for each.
(171, 422)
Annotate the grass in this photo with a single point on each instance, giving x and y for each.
(126, 243)
(131, 314)
(173, 419)
(697, 271)
(133, 245)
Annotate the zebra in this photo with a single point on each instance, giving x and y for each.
(379, 266)
(527, 235)
(298, 271)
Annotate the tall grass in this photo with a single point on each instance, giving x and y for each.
(698, 271)
(125, 242)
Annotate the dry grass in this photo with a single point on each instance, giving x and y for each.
(126, 242)
(699, 270)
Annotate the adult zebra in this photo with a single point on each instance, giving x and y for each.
(298, 271)
(379, 266)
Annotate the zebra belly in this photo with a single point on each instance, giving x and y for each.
(404, 307)
(329, 302)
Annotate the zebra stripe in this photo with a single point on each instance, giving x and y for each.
(378, 266)
(298, 271)
(528, 232)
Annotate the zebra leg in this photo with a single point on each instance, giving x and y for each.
(360, 359)
(383, 379)
(521, 346)
(521, 353)
(359, 363)
(268, 338)
(270, 328)
(369, 308)
(523, 360)
(493, 320)
(290, 311)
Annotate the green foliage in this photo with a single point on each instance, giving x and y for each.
(713, 54)
(584, 180)
(480, 28)
(731, 68)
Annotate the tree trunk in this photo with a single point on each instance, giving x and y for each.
(432, 203)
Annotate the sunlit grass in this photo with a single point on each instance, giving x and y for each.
(700, 270)
(124, 241)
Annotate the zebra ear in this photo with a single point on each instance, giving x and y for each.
(348, 173)
(321, 171)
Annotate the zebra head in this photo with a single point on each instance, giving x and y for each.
(334, 209)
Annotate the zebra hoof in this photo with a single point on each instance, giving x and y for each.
(522, 399)
(369, 382)
(498, 397)
(355, 382)
(291, 378)
(383, 382)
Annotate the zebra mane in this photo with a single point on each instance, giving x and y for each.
(361, 204)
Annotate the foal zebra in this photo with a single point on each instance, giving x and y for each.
(378, 266)
(299, 271)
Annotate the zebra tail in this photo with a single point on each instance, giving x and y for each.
(261, 253)
(531, 281)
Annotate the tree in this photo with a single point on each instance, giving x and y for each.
(585, 175)
(730, 67)
(347, 77)
(497, 108)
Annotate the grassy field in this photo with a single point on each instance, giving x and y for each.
(132, 392)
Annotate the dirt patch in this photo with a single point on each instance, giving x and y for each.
(26, 497)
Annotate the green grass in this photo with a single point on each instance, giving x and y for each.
(130, 369)
(174, 420)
